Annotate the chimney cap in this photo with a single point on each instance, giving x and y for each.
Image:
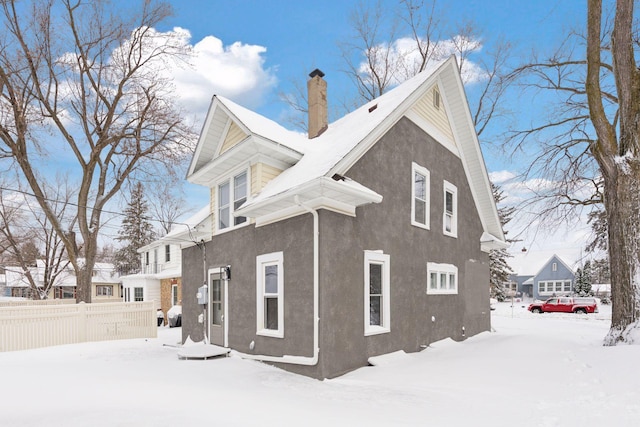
(316, 72)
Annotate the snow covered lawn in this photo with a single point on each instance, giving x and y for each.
(534, 370)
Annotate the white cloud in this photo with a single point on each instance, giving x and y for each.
(235, 71)
(406, 59)
(501, 177)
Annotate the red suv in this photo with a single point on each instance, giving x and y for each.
(565, 305)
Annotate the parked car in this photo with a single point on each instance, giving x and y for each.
(565, 305)
(175, 316)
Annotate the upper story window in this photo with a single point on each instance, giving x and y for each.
(554, 266)
(420, 196)
(146, 258)
(450, 214)
(231, 195)
(167, 253)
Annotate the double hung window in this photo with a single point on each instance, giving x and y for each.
(270, 295)
(232, 193)
(420, 196)
(377, 316)
(450, 214)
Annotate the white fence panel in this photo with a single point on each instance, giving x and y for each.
(26, 327)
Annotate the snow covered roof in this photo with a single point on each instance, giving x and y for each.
(312, 163)
(193, 228)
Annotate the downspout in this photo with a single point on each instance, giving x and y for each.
(303, 360)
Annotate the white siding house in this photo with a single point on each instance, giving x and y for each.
(160, 274)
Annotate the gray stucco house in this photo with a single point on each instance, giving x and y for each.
(367, 236)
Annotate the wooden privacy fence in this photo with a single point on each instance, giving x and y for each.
(26, 327)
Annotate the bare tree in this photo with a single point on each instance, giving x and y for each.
(616, 151)
(166, 204)
(388, 48)
(589, 143)
(24, 226)
(89, 80)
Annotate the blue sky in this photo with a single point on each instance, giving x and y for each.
(255, 49)
(250, 51)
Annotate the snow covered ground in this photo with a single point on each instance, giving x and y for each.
(534, 370)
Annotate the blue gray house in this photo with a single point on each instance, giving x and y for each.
(554, 278)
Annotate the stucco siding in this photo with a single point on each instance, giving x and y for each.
(239, 249)
(417, 318)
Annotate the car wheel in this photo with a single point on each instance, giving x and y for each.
(536, 310)
(580, 310)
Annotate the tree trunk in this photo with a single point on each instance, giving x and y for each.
(622, 202)
(85, 273)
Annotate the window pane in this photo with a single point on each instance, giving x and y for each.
(448, 219)
(452, 281)
(216, 315)
(271, 279)
(239, 195)
(223, 194)
(223, 218)
(240, 186)
(375, 317)
(271, 313)
(420, 189)
(223, 205)
(449, 202)
(375, 279)
(420, 210)
(433, 281)
(215, 291)
(567, 286)
(443, 280)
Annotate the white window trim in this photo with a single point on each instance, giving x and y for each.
(377, 257)
(275, 258)
(449, 187)
(229, 179)
(416, 168)
(448, 269)
(174, 295)
(547, 292)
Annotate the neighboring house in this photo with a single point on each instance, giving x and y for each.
(555, 278)
(522, 285)
(105, 283)
(160, 277)
(367, 237)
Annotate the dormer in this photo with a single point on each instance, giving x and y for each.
(235, 138)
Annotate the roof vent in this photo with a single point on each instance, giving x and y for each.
(373, 107)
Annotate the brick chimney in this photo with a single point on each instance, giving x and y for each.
(317, 98)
